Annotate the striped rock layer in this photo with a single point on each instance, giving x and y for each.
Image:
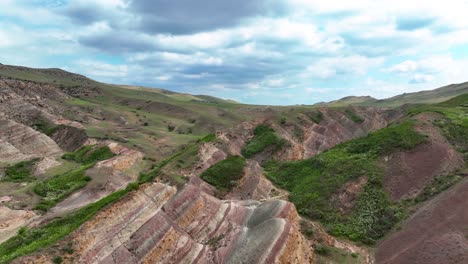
(156, 225)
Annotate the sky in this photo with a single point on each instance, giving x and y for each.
(279, 52)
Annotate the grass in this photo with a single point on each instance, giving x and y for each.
(44, 126)
(58, 187)
(337, 255)
(315, 116)
(454, 123)
(20, 172)
(225, 174)
(437, 186)
(264, 137)
(89, 154)
(353, 116)
(313, 182)
(31, 240)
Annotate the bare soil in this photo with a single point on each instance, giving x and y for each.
(437, 232)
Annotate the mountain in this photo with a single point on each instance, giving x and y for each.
(100, 173)
(349, 100)
(423, 97)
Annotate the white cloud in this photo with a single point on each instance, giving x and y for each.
(99, 69)
(421, 78)
(404, 67)
(333, 67)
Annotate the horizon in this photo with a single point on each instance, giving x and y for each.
(285, 105)
(268, 52)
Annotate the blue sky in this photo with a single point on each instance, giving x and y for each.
(261, 52)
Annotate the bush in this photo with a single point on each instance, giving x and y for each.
(322, 250)
(353, 116)
(45, 126)
(224, 174)
(57, 260)
(89, 154)
(208, 138)
(59, 187)
(20, 172)
(315, 116)
(264, 137)
(396, 137)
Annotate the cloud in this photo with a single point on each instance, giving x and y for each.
(341, 66)
(252, 51)
(187, 16)
(411, 23)
(421, 78)
(404, 67)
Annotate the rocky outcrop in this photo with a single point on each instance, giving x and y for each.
(209, 154)
(26, 102)
(107, 177)
(254, 185)
(19, 142)
(334, 128)
(307, 138)
(154, 225)
(69, 138)
(12, 220)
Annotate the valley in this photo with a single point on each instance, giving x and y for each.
(100, 173)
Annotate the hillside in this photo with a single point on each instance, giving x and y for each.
(349, 100)
(99, 173)
(423, 97)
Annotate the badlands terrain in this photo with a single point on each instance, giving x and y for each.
(100, 173)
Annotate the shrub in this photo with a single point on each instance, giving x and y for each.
(22, 230)
(315, 116)
(353, 116)
(89, 154)
(59, 187)
(57, 260)
(224, 174)
(322, 250)
(264, 137)
(20, 172)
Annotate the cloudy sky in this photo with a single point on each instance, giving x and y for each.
(253, 51)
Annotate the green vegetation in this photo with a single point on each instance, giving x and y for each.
(224, 174)
(353, 116)
(336, 255)
(384, 141)
(312, 182)
(208, 138)
(454, 123)
(20, 172)
(264, 137)
(31, 240)
(437, 186)
(34, 239)
(44, 126)
(58, 187)
(89, 154)
(315, 116)
(57, 260)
